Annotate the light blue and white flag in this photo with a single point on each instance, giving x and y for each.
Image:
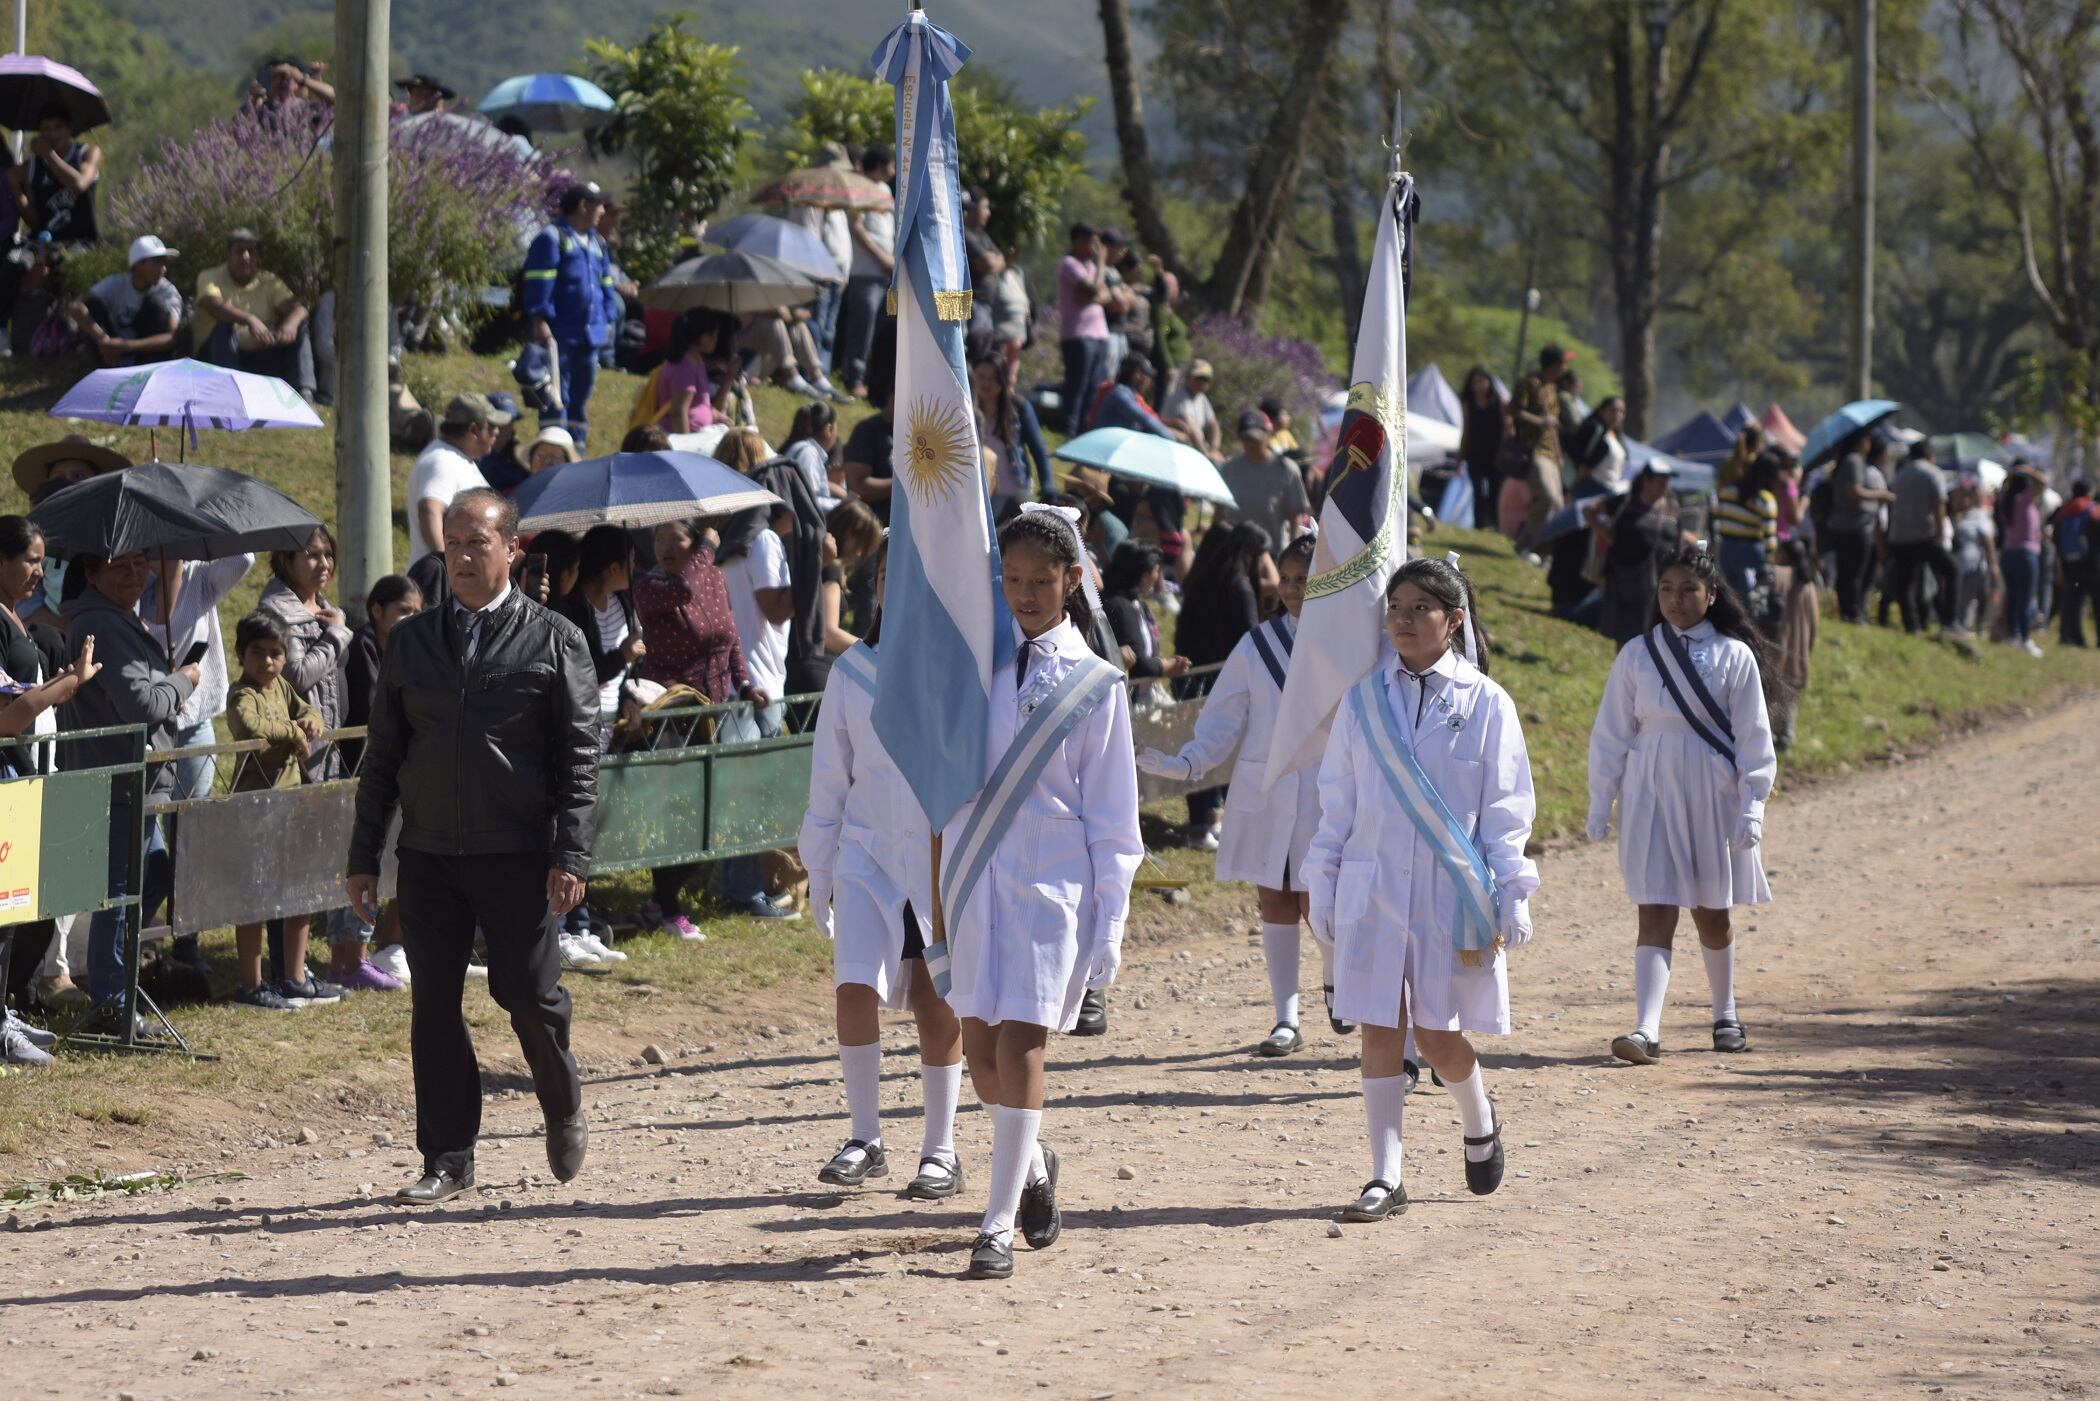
(945, 627)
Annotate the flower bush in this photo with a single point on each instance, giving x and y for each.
(1251, 366)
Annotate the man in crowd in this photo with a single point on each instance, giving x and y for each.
(874, 233)
(867, 459)
(572, 300)
(1188, 407)
(248, 319)
(1915, 521)
(497, 788)
(131, 318)
(61, 175)
(426, 94)
(449, 466)
(830, 226)
(1082, 325)
(1534, 412)
(1268, 488)
(2076, 531)
(290, 96)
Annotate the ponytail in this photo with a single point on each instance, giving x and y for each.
(1729, 617)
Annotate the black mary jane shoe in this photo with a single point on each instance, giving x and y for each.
(855, 1164)
(1485, 1176)
(991, 1258)
(1341, 1028)
(1412, 1073)
(1729, 1036)
(1637, 1048)
(434, 1187)
(1377, 1201)
(1040, 1221)
(939, 1178)
(1280, 1042)
(1093, 1015)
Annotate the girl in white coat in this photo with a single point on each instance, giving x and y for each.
(1683, 743)
(1267, 829)
(1418, 872)
(866, 844)
(1041, 920)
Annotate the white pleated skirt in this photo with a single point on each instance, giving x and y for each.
(1266, 834)
(867, 921)
(1678, 807)
(1022, 950)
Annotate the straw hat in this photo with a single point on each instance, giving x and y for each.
(551, 436)
(33, 467)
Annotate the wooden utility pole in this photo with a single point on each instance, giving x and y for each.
(1859, 363)
(364, 496)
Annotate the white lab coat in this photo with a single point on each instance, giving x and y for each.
(1056, 891)
(1266, 833)
(1679, 801)
(866, 844)
(1392, 907)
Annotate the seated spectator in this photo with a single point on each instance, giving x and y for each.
(1124, 406)
(503, 466)
(684, 391)
(248, 319)
(786, 352)
(852, 537)
(867, 460)
(63, 172)
(553, 447)
(1282, 441)
(1188, 407)
(811, 439)
(130, 318)
(1135, 573)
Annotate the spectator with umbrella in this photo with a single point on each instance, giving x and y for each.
(55, 189)
(571, 300)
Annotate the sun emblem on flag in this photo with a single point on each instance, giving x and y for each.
(939, 448)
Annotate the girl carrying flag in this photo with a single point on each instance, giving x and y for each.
(1418, 872)
(1267, 829)
(1036, 869)
(1683, 743)
(864, 840)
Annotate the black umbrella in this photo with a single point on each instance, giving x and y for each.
(734, 282)
(188, 512)
(29, 84)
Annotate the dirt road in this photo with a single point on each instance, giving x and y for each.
(1894, 1194)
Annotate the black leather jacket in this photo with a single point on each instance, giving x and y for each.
(495, 755)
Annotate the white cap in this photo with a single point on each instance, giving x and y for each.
(148, 246)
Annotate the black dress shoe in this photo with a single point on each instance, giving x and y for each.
(434, 1187)
(1412, 1073)
(1341, 1028)
(1729, 1036)
(1485, 1176)
(991, 1258)
(1637, 1048)
(1041, 1222)
(1280, 1042)
(1379, 1200)
(855, 1164)
(566, 1141)
(939, 1178)
(1093, 1015)
(184, 951)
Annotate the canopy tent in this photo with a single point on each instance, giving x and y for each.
(1780, 431)
(1431, 395)
(1702, 438)
(1685, 474)
(1736, 417)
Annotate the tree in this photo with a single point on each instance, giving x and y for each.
(152, 94)
(1140, 187)
(681, 115)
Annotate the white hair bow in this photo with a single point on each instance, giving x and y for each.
(1469, 646)
(1068, 516)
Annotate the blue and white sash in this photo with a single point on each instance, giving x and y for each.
(1272, 643)
(1476, 926)
(859, 664)
(1673, 662)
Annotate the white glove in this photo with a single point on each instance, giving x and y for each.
(1600, 826)
(1106, 964)
(1515, 922)
(1749, 831)
(1321, 920)
(1161, 764)
(820, 908)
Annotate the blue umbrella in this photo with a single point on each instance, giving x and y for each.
(634, 489)
(1824, 442)
(1147, 457)
(549, 102)
(777, 239)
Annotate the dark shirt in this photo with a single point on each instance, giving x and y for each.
(1213, 624)
(869, 445)
(56, 210)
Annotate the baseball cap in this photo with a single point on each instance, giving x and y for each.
(1200, 369)
(147, 246)
(247, 236)
(1253, 421)
(466, 410)
(1660, 466)
(579, 193)
(1112, 234)
(505, 402)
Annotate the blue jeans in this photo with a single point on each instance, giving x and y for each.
(193, 777)
(1086, 365)
(1741, 562)
(741, 879)
(106, 978)
(293, 363)
(2021, 568)
(860, 312)
(579, 375)
(824, 322)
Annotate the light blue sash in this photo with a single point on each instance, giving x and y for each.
(858, 662)
(999, 803)
(1476, 925)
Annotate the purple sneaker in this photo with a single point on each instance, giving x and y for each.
(684, 929)
(370, 977)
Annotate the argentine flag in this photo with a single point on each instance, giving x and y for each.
(945, 628)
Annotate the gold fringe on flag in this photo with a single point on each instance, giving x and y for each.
(891, 305)
(948, 306)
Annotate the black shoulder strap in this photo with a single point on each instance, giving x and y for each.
(1683, 654)
(1266, 638)
(1715, 742)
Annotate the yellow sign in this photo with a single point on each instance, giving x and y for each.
(21, 840)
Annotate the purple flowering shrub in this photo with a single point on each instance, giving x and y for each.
(1251, 367)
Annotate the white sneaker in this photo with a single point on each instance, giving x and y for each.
(392, 960)
(575, 955)
(599, 949)
(2031, 647)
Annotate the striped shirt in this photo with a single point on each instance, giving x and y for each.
(1757, 519)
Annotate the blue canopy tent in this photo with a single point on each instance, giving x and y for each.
(1736, 417)
(1431, 395)
(1686, 474)
(1702, 438)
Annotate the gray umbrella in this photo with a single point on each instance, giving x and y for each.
(731, 281)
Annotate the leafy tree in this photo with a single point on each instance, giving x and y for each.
(152, 94)
(682, 117)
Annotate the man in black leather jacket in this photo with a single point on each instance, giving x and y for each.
(484, 735)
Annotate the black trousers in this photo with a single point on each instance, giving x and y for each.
(2081, 591)
(442, 899)
(1907, 565)
(1855, 556)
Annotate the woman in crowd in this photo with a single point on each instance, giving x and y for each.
(810, 441)
(1133, 576)
(1639, 534)
(2018, 514)
(1008, 428)
(1220, 604)
(603, 610)
(1858, 492)
(1746, 520)
(1978, 580)
(683, 389)
(1417, 874)
(855, 534)
(1598, 449)
(1683, 745)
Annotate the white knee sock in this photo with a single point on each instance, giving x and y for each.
(863, 1069)
(941, 1085)
(1651, 986)
(1013, 1143)
(1474, 1111)
(1720, 976)
(1037, 1168)
(1385, 1099)
(1279, 949)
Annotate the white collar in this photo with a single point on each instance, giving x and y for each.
(486, 609)
(1062, 638)
(1704, 632)
(1446, 667)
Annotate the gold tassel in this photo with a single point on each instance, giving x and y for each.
(893, 301)
(953, 306)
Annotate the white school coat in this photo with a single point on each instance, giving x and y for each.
(1393, 906)
(1679, 801)
(1056, 890)
(866, 844)
(1265, 834)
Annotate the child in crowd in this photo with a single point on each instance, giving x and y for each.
(1418, 875)
(390, 599)
(262, 705)
(1683, 744)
